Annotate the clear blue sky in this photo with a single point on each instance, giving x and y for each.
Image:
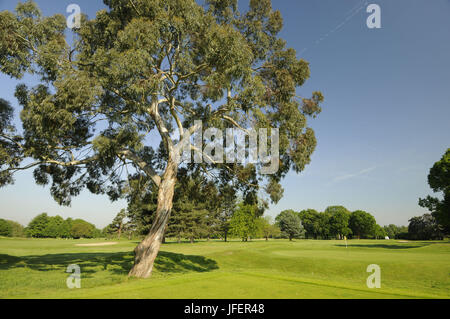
(385, 120)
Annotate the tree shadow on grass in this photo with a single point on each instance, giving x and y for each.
(383, 246)
(171, 262)
(117, 263)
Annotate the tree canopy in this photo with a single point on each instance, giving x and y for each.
(362, 224)
(439, 181)
(290, 224)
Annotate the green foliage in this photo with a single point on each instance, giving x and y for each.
(10, 149)
(378, 232)
(362, 224)
(53, 228)
(339, 218)
(38, 225)
(424, 227)
(310, 219)
(439, 181)
(65, 228)
(324, 225)
(205, 62)
(394, 231)
(290, 224)
(17, 230)
(82, 229)
(5, 228)
(44, 226)
(188, 221)
(243, 223)
(266, 229)
(117, 225)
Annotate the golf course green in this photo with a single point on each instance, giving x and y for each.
(36, 268)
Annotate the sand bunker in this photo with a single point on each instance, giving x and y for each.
(98, 244)
(403, 241)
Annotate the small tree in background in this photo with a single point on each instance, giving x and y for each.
(117, 224)
(289, 224)
(53, 228)
(324, 225)
(378, 232)
(362, 223)
(424, 227)
(65, 228)
(5, 228)
(82, 229)
(17, 230)
(38, 226)
(243, 224)
(338, 218)
(266, 229)
(393, 231)
(188, 221)
(311, 222)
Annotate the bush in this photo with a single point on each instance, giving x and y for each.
(5, 228)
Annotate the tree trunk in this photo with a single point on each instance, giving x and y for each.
(148, 248)
(119, 232)
(225, 237)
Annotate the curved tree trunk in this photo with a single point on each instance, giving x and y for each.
(147, 250)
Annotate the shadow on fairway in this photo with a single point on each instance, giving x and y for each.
(383, 246)
(118, 263)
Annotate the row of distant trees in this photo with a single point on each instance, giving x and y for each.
(44, 226)
(10, 228)
(204, 209)
(338, 222)
(335, 222)
(246, 222)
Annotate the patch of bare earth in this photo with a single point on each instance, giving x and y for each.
(99, 244)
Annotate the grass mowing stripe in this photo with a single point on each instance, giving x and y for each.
(318, 283)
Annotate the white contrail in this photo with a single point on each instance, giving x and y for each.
(350, 14)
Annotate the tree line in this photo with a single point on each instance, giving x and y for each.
(247, 221)
(44, 226)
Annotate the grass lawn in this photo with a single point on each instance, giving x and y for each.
(35, 268)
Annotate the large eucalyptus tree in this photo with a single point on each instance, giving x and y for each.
(142, 70)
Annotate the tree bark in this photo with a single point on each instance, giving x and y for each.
(147, 250)
(119, 232)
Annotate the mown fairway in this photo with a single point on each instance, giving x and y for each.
(35, 268)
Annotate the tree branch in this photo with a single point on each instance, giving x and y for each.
(139, 162)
